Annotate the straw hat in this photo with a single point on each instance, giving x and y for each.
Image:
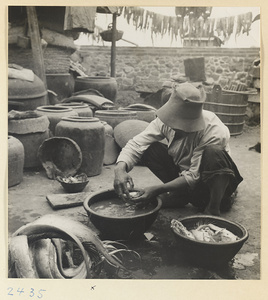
(184, 109)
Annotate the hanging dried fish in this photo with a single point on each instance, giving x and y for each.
(211, 27)
(190, 21)
(145, 25)
(186, 25)
(239, 25)
(180, 22)
(169, 24)
(230, 26)
(218, 27)
(137, 16)
(141, 19)
(191, 25)
(165, 25)
(159, 23)
(224, 27)
(120, 10)
(125, 12)
(174, 28)
(129, 14)
(200, 26)
(247, 22)
(153, 23)
(206, 28)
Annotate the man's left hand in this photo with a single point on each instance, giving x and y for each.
(148, 194)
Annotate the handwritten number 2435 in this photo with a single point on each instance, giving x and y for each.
(32, 292)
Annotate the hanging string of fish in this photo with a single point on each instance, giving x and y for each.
(205, 232)
(57, 247)
(192, 22)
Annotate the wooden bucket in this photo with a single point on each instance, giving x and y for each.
(229, 106)
(195, 68)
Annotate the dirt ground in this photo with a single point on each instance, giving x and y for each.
(161, 257)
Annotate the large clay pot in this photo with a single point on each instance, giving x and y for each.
(111, 149)
(107, 86)
(114, 117)
(82, 109)
(31, 132)
(54, 114)
(26, 95)
(144, 112)
(15, 161)
(62, 84)
(88, 133)
(126, 130)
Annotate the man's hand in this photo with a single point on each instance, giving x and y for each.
(147, 195)
(121, 181)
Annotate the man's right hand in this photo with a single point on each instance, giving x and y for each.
(121, 181)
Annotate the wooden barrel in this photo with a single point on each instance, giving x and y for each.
(229, 106)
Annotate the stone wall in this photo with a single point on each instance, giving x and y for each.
(146, 69)
(136, 65)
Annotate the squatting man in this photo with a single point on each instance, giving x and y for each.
(187, 148)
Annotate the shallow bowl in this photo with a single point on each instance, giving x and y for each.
(206, 253)
(73, 187)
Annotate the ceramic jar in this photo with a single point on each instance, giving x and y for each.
(114, 117)
(31, 132)
(26, 95)
(126, 130)
(54, 114)
(82, 109)
(111, 149)
(15, 161)
(144, 113)
(107, 86)
(88, 133)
